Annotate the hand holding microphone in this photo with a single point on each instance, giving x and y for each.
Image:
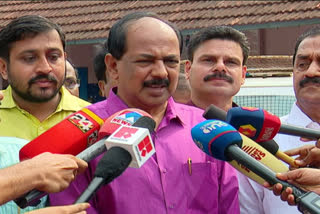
(306, 178)
(129, 116)
(55, 171)
(309, 156)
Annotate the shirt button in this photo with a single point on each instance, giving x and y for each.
(164, 171)
(171, 206)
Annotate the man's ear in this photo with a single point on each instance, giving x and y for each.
(3, 69)
(187, 68)
(101, 85)
(244, 72)
(111, 66)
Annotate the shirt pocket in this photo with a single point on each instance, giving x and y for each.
(202, 189)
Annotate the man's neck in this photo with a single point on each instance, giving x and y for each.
(220, 101)
(311, 110)
(39, 110)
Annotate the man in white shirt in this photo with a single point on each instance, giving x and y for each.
(305, 112)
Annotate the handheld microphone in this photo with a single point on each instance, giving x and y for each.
(262, 125)
(137, 141)
(133, 116)
(222, 141)
(213, 112)
(70, 136)
(251, 148)
(111, 165)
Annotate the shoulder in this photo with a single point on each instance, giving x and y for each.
(189, 114)
(100, 108)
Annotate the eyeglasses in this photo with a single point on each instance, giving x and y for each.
(71, 83)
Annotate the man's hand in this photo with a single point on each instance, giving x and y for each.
(304, 178)
(71, 209)
(309, 155)
(55, 171)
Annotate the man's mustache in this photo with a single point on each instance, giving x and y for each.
(220, 75)
(306, 80)
(159, 82)
(42, 77)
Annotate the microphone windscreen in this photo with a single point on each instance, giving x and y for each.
(124, 117)
(214, 136)
(113, 163)
(255, 123)
(214, 112)
(70, 136)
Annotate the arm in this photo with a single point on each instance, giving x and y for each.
(45, 172)
(70, 209)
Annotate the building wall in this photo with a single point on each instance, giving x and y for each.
(281, 41)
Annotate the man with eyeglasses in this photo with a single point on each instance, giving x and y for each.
(72, 83)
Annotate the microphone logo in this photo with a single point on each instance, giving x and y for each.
(81, 122)
(125, 132)
(126, 118)
(145, 146)
(213, 125)
(248, 130)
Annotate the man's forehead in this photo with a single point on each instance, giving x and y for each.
(309, 42)
(148, 23)
(215, 45)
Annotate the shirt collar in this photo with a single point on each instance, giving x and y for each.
(297, 117)
(118, 105)
(67, 102)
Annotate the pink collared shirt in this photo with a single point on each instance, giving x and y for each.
(164, 184)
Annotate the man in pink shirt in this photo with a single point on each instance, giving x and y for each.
(144, 59)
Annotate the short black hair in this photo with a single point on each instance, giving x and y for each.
(219, 32)
(117, 35)
(23, 27)
(315, 31)
(99, 65)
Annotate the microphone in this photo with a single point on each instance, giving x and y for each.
(111, 165)
(254, 150)
(137, 141)
(133, 116)
(262, 125)
(213, 112)
(222, 141)
(82, 131)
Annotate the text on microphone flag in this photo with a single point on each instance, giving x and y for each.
(83, 123)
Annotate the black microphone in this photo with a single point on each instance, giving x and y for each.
(221, 141)
(111, 165)
(32, 198)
